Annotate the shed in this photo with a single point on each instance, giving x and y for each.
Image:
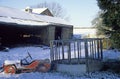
(19, 27)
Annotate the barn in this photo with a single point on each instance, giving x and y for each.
(19, 27)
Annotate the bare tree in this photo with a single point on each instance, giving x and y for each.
(56, 9)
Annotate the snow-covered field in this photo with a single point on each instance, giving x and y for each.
(43, 53)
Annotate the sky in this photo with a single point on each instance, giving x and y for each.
(80, 12)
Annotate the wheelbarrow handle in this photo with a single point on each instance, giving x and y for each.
(29, 55)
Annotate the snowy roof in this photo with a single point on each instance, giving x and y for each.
(43, 11)
(12, 15)
(38, 10)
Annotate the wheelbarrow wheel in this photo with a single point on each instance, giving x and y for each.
(44, 67)
(10, 69)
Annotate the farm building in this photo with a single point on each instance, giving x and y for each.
(42, 11)
(19, 27)
(85, 32)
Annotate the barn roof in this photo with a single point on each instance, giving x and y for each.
(38, 10)
(43, 11)
(12, 15)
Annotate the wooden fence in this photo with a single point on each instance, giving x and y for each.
(76, 51)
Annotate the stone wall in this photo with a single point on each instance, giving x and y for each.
(67, 33)
(76, 69)
(94, 65)
(50, 34)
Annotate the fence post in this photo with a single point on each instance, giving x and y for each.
(51, 51)
(56, 51)
(59, 50)
(78, 50)
(101, 48)
(93, 50)
(62, 50)
(69, 52)
(74, 49)
(86, 55)
(98, 46)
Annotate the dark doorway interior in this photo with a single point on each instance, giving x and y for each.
(58, 31)
(13, 34)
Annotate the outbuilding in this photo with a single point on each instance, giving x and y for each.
(19, 27)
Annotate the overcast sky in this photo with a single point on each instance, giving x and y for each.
(80, 12)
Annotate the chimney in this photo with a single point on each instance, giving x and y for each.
(28, 9)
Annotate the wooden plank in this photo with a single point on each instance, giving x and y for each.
(101, 49)
(98, 51)
(93, 49)
(58, 50)
(63, 50)
(86, 49)
(74, 50)
(90, 49)
(78, 50)
(69, 52)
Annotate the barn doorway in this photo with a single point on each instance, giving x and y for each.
(58, 31)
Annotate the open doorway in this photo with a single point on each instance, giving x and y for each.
(58, 31)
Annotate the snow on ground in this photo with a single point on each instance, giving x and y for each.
(111, 54)
(57, 75)
(43, 53)
(21, 52)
